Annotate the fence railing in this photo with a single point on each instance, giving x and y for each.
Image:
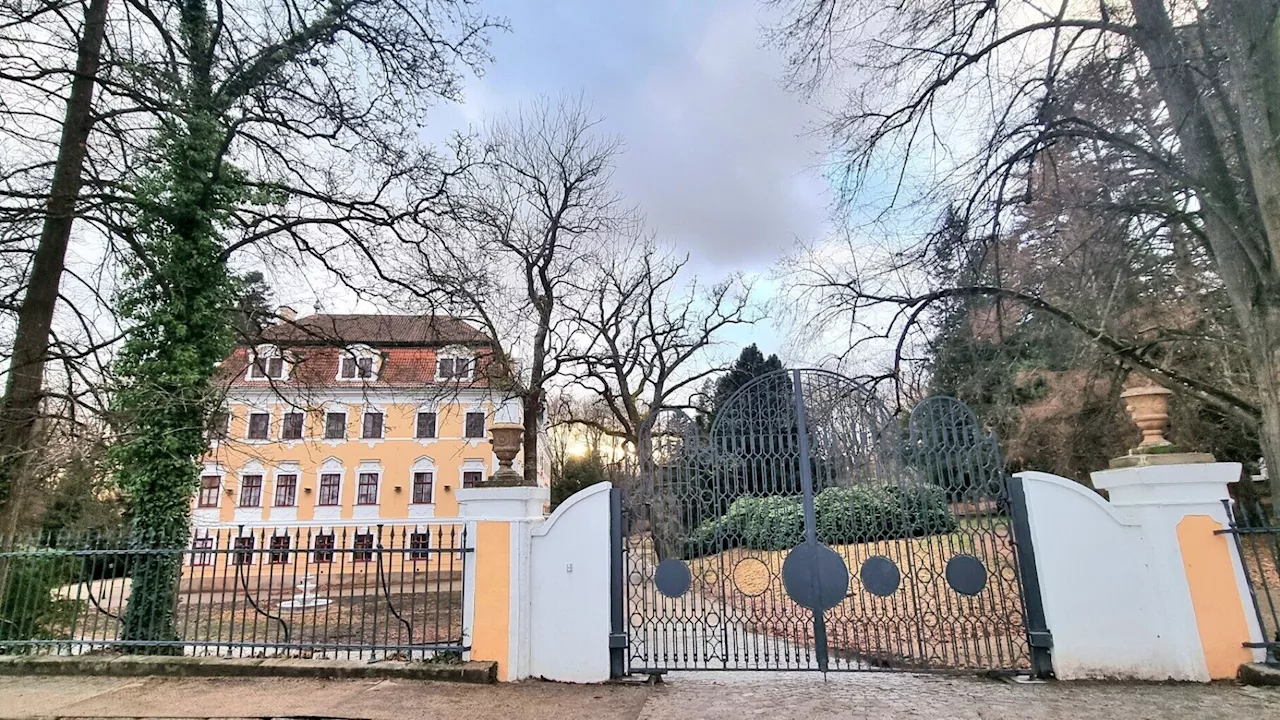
(1256, 531)
(370, 591)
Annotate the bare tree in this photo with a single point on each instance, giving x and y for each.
(529, 218)
(20, 407)
(1210, 67)
(645, 336)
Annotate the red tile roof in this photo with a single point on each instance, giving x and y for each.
(377, 330)
(406, 343)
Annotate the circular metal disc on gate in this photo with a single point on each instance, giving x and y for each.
(672, 578)
(966, 574)
(880, 576)
(816, 577)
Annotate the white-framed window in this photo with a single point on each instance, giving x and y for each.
(455, 364)
(210, 487)
(330, 493)
(329, 478)
(371, 425)
(220, 424)
(267, 362)
(335, 425)
(286, 489)
(251, 490)
(202, 551)
(258, 425)
(424, 426)
(291, 425)
(367, 488)
(474, 425)
(359, 363)
(422, 477)
(281, 546)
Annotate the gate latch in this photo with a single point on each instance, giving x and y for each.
(617, 640)
(1040, 639)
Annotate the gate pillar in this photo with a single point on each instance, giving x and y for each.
(496, 600)
(1142, 586)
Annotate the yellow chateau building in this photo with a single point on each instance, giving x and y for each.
(350, 420)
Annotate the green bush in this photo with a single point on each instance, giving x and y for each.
(29, 610)
(843, 515)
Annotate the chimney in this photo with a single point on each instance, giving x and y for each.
(286, 313)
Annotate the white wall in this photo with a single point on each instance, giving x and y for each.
(1095, 582)
(569, 623)
(1112, 577)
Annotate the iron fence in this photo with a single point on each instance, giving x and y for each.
(371, 592)
(1256, 531)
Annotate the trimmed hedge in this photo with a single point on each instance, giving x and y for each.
(844, 515)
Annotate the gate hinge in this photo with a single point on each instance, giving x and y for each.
(617, 640)
(1040, 638)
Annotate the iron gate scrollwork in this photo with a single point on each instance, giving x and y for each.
(807, 527)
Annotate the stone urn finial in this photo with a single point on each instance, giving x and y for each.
(507, 439)
(1148, 405)
(1149, 408)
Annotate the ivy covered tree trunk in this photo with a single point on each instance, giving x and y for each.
(177, 300)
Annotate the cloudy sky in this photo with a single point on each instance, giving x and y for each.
(717, 156)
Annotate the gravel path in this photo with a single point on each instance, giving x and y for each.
(685, 696)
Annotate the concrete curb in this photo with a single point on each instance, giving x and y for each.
(1258, 674)
(165, 666)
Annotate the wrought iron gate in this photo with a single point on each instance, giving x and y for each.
(808, 528)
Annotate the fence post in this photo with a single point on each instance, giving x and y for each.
(501, 520)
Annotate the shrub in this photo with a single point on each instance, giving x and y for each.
(29, 610)
(843, 515)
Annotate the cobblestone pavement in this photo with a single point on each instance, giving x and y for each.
(686, 696)
(782, 696)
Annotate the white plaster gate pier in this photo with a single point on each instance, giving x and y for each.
(1144, 586)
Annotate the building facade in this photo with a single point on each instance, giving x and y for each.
(352, 420)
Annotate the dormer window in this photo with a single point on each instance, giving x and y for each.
(358, 363)
(455, 364)
(267, 363)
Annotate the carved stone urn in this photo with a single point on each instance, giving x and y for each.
(507, 439)
(1149, 408)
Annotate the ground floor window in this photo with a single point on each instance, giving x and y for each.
(363, 547)
(199, 547)
(323, 547)
(280, 549)
(244, 551)
(419, 543)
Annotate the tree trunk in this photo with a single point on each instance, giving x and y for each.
(1265, 360)
(532, 403)
(20, 411)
